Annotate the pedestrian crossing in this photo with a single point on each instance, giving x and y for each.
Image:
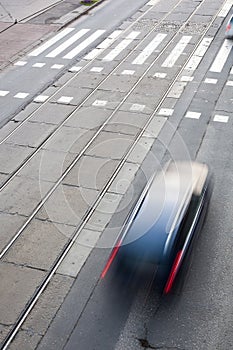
(117, 42)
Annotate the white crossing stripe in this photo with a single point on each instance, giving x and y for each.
(4, 93)
(193, 115)
(67, 43)
(21, 95)
(84, 44)
(141, 58)
(104, 45)
(221, 118)
(226, 8)
(177, 51)
(196, 58)
(50, 42)
(121, 46)
(153, 2)
(222, 56)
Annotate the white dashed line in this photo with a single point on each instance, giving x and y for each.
(166, 112)
(149, 49)
(20, 63)
(4, 93)
(99, 103)
(38, 65)
(225, 9)
(121, 46)
(21, 95)
(229, 83)
(40, 98)
(75, 69)
(137, 107)
(160, 75)
(221, 57)
(221, 118)
(65, 99)
(128, 72)
(176, 52)
(210, 81)
(192, 115)
(186, 78)
(57, 66)
(231, 72)
(50, 42)
(96, 69)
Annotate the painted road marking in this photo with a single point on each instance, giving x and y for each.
(176, 52)
(96, 69)
(65, 99)
(38, 65)
(186, 78)
(84, 44)
(40, 98)
(221, 118)
(137, 107)
(103, 46)
(229, 83)
(231, 72)
(222, 56)
(67, 43)
(226, 8)
(153, 2)
(121, 46)
(193, 115)
(21, 95)
(198, 54)
(149, 49)
(166, 112)
(210, 81)
(128, 72)
(160, 75)
(4, 93)
(20, 63)
(99, 103)
(57, 66)
(75, 69)
(50, 42)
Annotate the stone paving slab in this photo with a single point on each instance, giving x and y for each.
(9, 224)
(39, 236)
(11, 156)
(88, 117)
(52, 113)
(18, 37)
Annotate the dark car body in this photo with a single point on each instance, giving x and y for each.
(167, 216)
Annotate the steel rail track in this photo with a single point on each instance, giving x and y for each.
(87, 216)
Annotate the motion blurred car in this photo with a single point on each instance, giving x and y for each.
(229, 29)
(167, 216)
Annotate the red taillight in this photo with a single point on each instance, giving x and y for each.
(228, 27)
(173, 272)
(111, 258)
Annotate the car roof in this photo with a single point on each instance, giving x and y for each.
(165, 200)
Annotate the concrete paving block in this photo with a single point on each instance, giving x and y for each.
(7, 129)
(127, 123)
(47, 165)
(124, 178)
(88, 117)
(52, 113)
(18, 283)
(86, 80)
(3, 332)
(122, 83)
(110, 145)
(26, 112)
(113, 98)
(31, 134)
(12, 156)
(9, 224)
(26, 340)
(69, 139)
(68, 205)
(3, 178)
(104, 212)
(141, 150)
(79, 253)
(39, 236)
(91, 172)
(154, 127)
(22, 195)
(137, 98)
(78, 95)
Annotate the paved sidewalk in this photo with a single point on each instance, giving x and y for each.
(17, 38)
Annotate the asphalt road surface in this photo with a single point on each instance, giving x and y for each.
(89, 115)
